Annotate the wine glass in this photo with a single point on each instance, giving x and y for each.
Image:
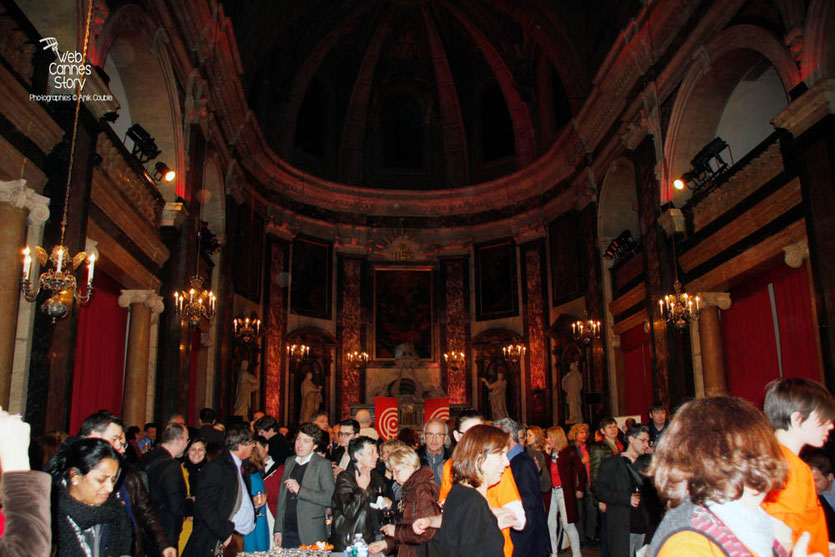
(259, 499)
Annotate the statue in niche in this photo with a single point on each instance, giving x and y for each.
(572, 384)
(498, 396)
(311, 398)
(248, 385)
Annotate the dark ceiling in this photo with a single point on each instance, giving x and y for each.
(419, 94)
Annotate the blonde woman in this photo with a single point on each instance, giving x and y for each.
(535, 445)
(578, 436)
(568, 484)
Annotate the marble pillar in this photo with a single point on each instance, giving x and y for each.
(710, 341)
(143, 305)
(16, 200)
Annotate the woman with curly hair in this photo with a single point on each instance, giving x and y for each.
(716, 462)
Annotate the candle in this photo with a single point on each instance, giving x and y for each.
(661, 306)
(27, 263)
(697, 303)
(91, 268)
(60, 260)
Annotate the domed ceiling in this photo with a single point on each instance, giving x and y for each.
(419, 95)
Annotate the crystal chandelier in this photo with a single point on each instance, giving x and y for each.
(680, 308)
(60, 279)
(586, 331)
(246, 329)
(196, 303)
(455, 359)
(513, 353)
(298, 352)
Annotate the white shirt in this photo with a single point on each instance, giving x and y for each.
(305, 460)
(244, 519)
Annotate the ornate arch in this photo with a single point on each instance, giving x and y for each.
(695, 115)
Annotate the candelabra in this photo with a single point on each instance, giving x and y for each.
(60, 279)
(357, 359)
(513, 353)
(246, 329)
(298, 352)
(195, 304)
(455, 359)
(680, 308)
(586, 331)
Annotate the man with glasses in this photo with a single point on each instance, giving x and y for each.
(347, 432)
(620, 486)
(435, 450)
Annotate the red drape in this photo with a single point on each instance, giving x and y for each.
(99, 352)
(637, 369)
(797, 326)
(749, 341)
(191, 409)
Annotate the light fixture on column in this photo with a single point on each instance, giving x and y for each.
(455, 359)
(679, 308)
(357, 359)
(60, 278)
(196, 303)
(246, 329)
(513, 353)
(298, 352)
(162, 172)
(586, 331)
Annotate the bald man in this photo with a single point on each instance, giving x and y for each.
(364, 418)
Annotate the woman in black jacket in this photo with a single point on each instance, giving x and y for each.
(469, 527)
(88, 519)
(357, 488)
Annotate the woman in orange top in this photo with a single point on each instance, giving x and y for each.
(716, 463)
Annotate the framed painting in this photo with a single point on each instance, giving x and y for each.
(403, 299)
(496, 286)
(567, 261)
(311, 269)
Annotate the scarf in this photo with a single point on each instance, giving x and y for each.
(753, 527)
(76, 522)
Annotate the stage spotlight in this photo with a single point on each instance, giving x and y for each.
(162, 172)
(678, 184)
(144, 146)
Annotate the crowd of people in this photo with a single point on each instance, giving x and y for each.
(721, 477)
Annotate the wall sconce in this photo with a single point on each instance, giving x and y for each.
(455, 359)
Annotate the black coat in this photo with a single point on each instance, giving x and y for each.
(214, 505)
(615, 488)
(533, 540)
(469, 528)
(168, 494)
(352, 513)
(278, 448)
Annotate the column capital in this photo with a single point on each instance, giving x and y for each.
(672, 220)
(808, 108)
(147, 297)
(796, 254)
(173, 214)
(17, 194)
(722, 300)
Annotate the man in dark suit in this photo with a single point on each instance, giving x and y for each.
(822, 474)
(166, 484)
(306, 493)
(279, 448)
(207, 419)
(533, 539)
(348, 431)
(222, 505)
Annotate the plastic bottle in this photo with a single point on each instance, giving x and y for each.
(362, 547)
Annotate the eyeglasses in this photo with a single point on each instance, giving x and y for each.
(436, 435)
(344, 434)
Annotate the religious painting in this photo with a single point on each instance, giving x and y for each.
(310, 278)
(567, 262)
(248, 239)
(403, 312)
(495, 286)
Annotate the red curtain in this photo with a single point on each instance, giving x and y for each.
(637, 369)
(749, 340)
(99, 352)
(797, 327)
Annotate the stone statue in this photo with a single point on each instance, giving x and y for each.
(572, 384)
(498, 403)
(311, 398)
(247, 385)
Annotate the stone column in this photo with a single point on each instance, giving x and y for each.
(710, 339)
(15, 200)
(142, 304)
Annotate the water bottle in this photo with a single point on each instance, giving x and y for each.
(361, 546)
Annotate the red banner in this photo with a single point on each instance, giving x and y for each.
(386, 420)
(436, 409)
